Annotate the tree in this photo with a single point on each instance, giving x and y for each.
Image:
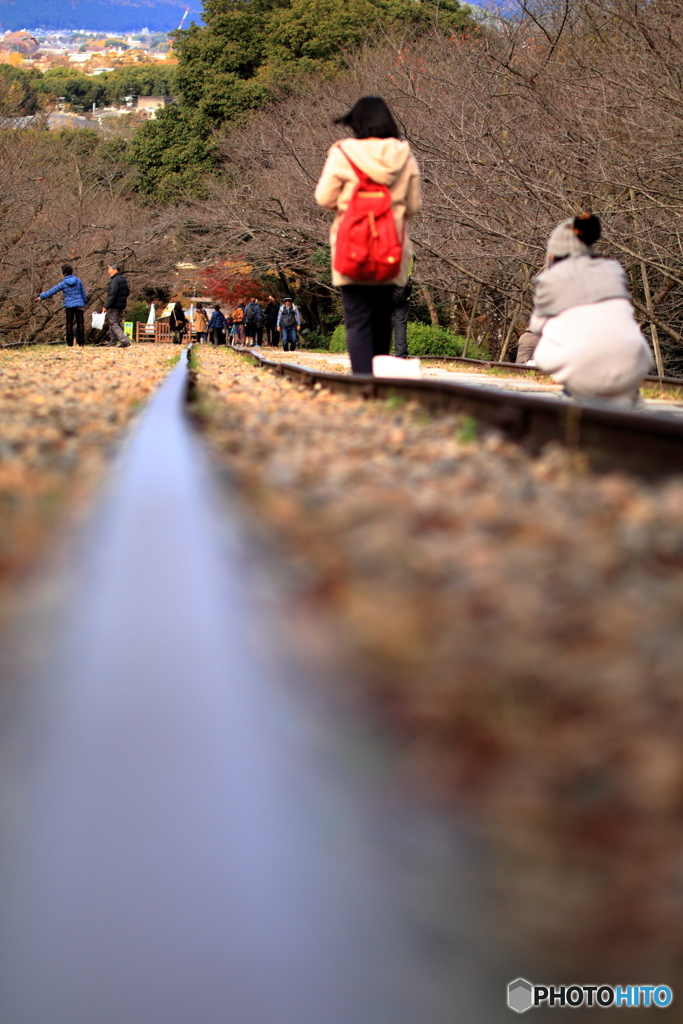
(139, 80)
(66, 198)
(80, 91)
(109, 88)
(515, 128)
(232, 283)
(19, 94)
(249, 52)
(171, 153)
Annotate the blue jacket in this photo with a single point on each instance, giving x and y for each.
(74, 292)
(217, 321)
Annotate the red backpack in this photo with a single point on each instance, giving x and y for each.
(368, 247)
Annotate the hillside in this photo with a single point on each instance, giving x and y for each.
(99, 15)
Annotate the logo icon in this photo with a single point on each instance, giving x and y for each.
(520, 995)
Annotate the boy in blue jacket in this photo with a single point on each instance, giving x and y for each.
(74, 301)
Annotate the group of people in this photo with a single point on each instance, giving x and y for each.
(247, 322)
(75, 300)
(582, 330)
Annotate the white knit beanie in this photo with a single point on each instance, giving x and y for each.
(565, 242)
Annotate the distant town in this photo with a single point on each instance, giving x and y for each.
(107, 61)
(92, 52)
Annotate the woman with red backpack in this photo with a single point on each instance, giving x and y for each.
(372, 181)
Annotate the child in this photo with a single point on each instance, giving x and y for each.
(75, 300)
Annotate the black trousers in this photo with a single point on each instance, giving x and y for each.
(401, 314)
(272, 337)
(74, 314)
(367, 313)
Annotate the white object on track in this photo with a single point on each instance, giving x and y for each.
(390, 366)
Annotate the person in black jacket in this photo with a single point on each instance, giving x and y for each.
(177, 323)
(270, 319)
(401, 314)
(117, 298)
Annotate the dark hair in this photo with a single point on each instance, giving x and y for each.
(587, 228)
(178, 307)
(67, 269)
(370, 118)
(216, 306)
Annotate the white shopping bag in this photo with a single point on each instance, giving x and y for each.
(390, 366)
(98, 320)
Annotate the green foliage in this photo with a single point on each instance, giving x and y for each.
(108, 89)
(338, 339)
(138, 80)
(313, 33)
(315, 340)
(79, 90)
(138, 314)
(79, 141)
(468, 430)
(226, 97)
(431, 340)
(19, 94)
(171, 153)
(426, 340)
(321, 260)
(231, 65)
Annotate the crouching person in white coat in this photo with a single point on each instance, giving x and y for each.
(590, 340)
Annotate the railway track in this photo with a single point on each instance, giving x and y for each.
(185, 840)
(635, 442)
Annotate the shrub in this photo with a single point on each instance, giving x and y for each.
(426, 340)
(314, 339)
(338, 339)
(137, 314)
(431, 340)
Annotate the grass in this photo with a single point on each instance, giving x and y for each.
(468, 430)
(660, 394)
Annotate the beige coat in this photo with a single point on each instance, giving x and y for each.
(387, 161)
(200, 321)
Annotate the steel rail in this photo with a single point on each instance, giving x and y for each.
(634, 442)
(185, 840)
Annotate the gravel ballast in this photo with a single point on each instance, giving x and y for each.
(61, 410)
(517, 622)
